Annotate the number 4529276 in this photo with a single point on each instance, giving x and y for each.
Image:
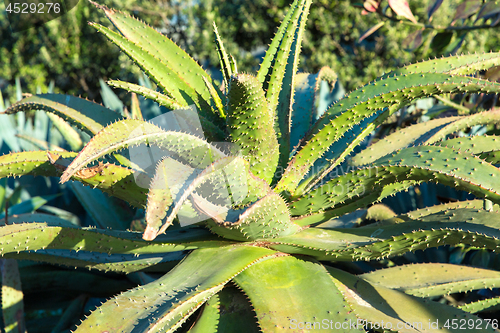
(33, 8)
(464, 324)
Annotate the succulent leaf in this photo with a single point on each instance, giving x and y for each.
(415, 164)
(476, 145)
(429, 132)
(265, 219)
(167, 79)
(184, 289)
(280, 88)
(135, 108)
(38, 235)
(460, 64)
(112, 179)
(488, 304)
(88, 116)
(251, 125)
(225, 64)
(186, 73)
(159, 196)
(240, 223)
(266, 66)
(392, 92)
(282, 285)
(481, 230)
(408, 313)
(117, 262)
(472, 204)
(433, 279)
(156, 96)
(129, 132)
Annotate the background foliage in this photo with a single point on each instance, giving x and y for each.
(62, 49)
(64, 52)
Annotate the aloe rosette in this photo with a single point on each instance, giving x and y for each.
(258, 209)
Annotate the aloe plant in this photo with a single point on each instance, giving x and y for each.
(254, 213)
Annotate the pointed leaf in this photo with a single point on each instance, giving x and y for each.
(399, 235)
(89, 116)
(371, 31)
(430, 132)
(159, 196)
(136, 108)
(167, 302)
(212, 131)
(287, 293)
(38, 235)
(280, 91)
(112, 179)
(460, 64)
(225, 64)
(399, 311)
(365, 101)
(116, 262)
(129, 132)
(433, 7)
(482, 305)
(266, 65)
(421, 163)
(466, 9)
(158, 97)
(401, 8)
(489, 9)
(432, 279)
(250, 121)
(165, 77)
(178, 62)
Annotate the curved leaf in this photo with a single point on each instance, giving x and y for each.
(163, 305)
(433, 279)
(422, 163)
(251, 125)
(481, 231)
(89, 116)
(129, 132)
(41, 236)
(392, 92)
(398, 311)
(184, 70)
(112, 179)
(288, 293)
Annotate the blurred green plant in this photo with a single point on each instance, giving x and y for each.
(62, 51)
(273, 239)
(332, 36)
(469, 15)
